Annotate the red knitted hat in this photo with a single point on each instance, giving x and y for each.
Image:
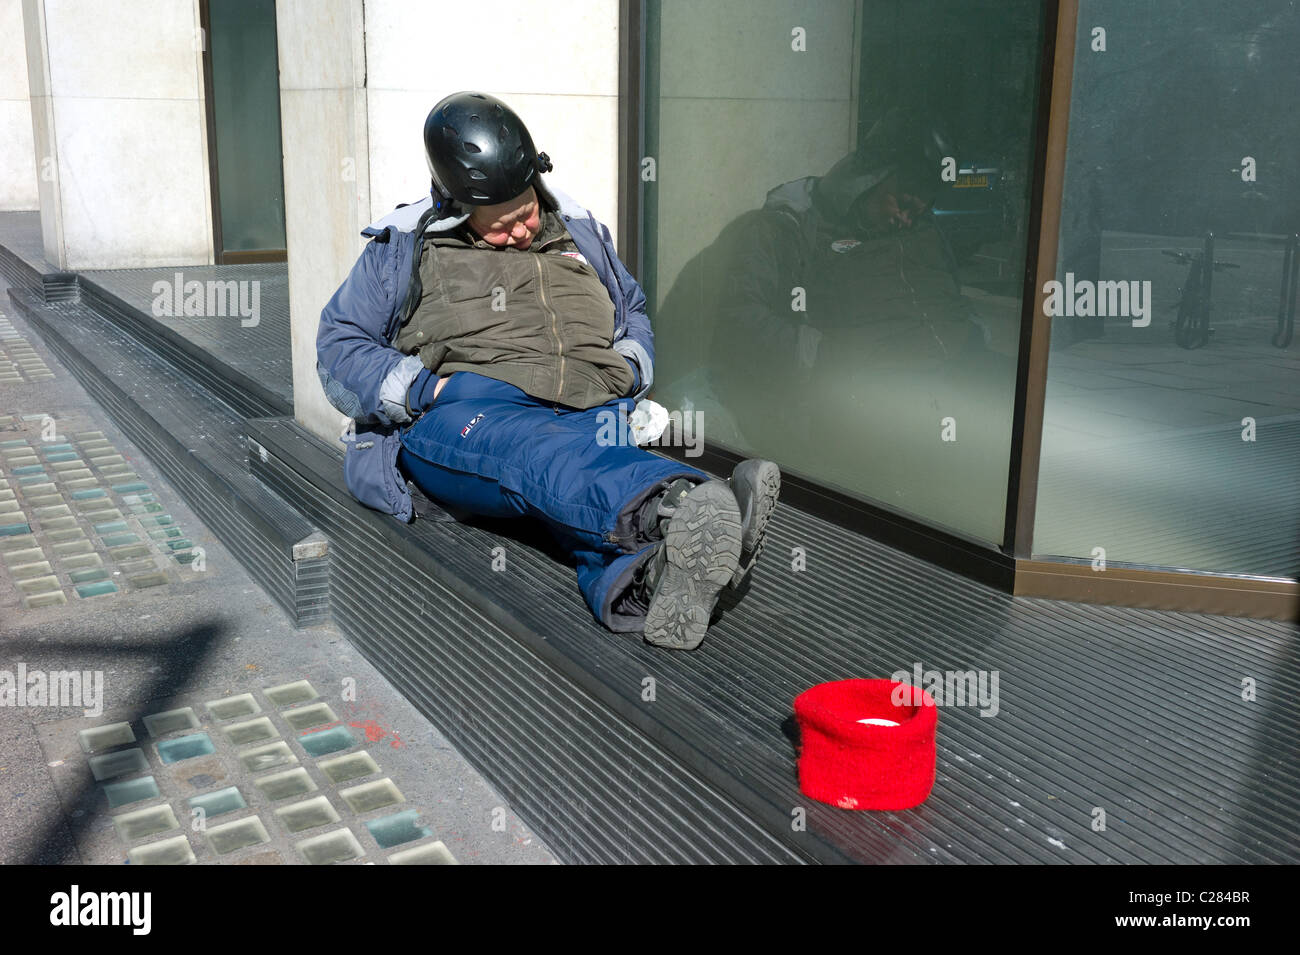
(856, 765)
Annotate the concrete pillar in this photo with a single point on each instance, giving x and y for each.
(119, 132)
(17, 156)
(326, 174)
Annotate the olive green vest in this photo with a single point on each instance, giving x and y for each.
(540, 319)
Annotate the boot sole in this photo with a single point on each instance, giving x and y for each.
(702, 551)
(767, 487)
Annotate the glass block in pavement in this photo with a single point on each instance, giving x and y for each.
(185, 747)
(142, 581)
(174, 851)
(305, 717)
(375, 795)
(309, 814)
(239, 834)
(96, 590)
(398, 828)
(287, 694)
(332, 847)
(353, 765)
(435, 853)
(111, 765)
(219, 802)
(169, 721)
(252, 731)
(23, 555)
(145, 822)
(327, 741)
(233, 706)
(129, 551)
(99, 738)
(267, 757)
(72, 548)
(38, 585)
(130, 790)
(293, 782)
(26, 571)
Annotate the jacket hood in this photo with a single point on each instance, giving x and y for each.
(899, 142)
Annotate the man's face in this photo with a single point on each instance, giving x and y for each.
(512, 224)
(887, 208)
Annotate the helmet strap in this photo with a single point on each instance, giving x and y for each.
(443, 203)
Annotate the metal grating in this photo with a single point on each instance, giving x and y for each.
(1135, 712)
(250, 367)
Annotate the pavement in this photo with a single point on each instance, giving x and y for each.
(156, 705)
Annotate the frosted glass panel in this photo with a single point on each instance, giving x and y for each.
(835, 238)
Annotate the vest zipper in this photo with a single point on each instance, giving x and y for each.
(555, 329)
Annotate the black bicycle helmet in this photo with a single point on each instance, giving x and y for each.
(479, 152)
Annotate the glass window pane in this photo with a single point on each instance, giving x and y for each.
(246, 106)
(835, 238)
(1172, 426)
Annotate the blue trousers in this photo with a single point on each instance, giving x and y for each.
(488, 448)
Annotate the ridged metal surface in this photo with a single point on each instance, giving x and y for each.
(195, 441)
(1137, 713)
(241, 377)
(592, 781)
(250, 367)
(22, 249)
(311, 590)
(22, 259)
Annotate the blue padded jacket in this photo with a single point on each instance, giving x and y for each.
(366, 379)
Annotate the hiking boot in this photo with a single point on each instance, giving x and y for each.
(756, 484)
(699, 556)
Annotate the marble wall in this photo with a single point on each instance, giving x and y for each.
(17, 152)
(119, 132)
(326, 174)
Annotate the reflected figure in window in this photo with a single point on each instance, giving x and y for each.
(824, 321)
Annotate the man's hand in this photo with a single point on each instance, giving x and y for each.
(424, 392)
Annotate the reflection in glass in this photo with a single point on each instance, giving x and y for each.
(835, 242)
(246, 108)
(1172, 431)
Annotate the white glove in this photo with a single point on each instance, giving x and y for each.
(647, 421)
